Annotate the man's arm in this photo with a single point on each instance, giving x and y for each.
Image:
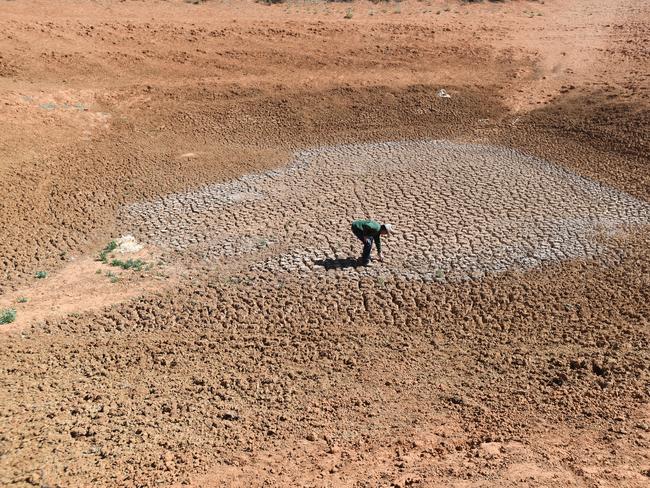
(378, 244)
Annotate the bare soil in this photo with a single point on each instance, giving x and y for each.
(504, 342)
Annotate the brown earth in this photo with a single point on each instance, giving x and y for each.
(227, 377)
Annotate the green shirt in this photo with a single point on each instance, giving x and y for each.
(369, 228)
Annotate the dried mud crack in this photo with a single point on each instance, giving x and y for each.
(460, 209)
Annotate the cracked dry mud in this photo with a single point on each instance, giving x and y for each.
(460, 210)
(256, 355)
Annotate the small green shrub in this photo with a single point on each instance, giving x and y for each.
(135, 264)
(40, 274)
(103, 255)
(348, 14)
(112, 276)
(22, 299)
(7, 316)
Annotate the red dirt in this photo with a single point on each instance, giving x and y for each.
(230, 378)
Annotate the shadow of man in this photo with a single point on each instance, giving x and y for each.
(340, 263)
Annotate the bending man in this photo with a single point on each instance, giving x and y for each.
(369, 231)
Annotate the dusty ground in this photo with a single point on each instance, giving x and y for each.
(503, 343)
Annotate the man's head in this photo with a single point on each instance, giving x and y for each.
(386, 229)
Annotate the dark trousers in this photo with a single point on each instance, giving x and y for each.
(367, 244)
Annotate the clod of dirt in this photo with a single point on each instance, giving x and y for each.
(230, 415)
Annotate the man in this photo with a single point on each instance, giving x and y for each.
(368, 231)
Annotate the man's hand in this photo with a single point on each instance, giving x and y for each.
(381, 258)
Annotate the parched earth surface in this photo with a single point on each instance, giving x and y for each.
(460, 209)
(504, 341)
